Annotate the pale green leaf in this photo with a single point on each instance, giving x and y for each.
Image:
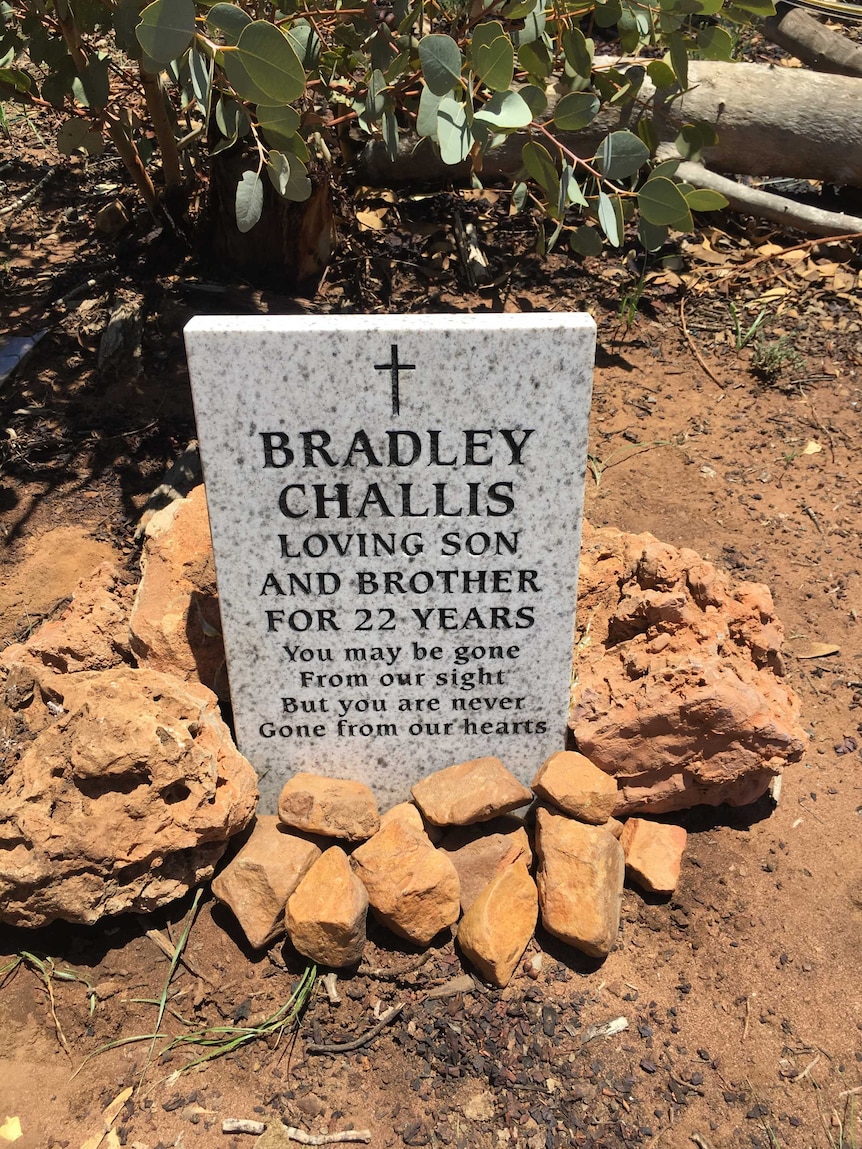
(609, 219)
(621, 154)
(535, 99)
(229, 20)
(231, 119)
(279, 124)
(91, 87)
(575, 111)
(288, 176)
(663, 204)
(306, 44)
(200, 69)
(453, 131)
(535, 59)
(578, 51)
(705, 199)
(263, 67)
(714, 43)
(166, 29)
(493, 56)
(389, 128)
(441, 62)
(661, 74)
(585, 240)
(76, 135)
(652, 236)
(679, 58)
(540, 167)
(426, 120)
(534, 25)
(249, 201)
(505, 111)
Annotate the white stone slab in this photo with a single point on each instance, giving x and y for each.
(396, 549)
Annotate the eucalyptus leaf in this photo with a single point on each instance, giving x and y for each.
(229, 20)
(519, 196)
(608, 14)
(505, 111)
(679, 58)
(288, 176)
(585, 240)
(16, 79)
(661, 74)
(621, 154)
(200, 68)
(576, 111)
(76, 135)
(249, 201)
(714, 43)
(426, 120)
(663, 204)
(166, 29)
(91, 87)
(231, 119)
(493, 56)
(570, 191)
(535, 59)
(609, 220)
(389, 128)
(578, 51)
(441, 62)
(453, 131)
(652, 236)
(705, 199)
(535, 98)
(263, 67)
(540, 167)
(279, 125)
(534, 25)
(306, 44)
(756, 7)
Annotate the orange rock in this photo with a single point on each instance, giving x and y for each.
(149, 784)
(413, 888)
(258, 881)
(473, 791)
(497, 928)
(653, 854)
(175, 623)
(482, 851)
(679, 692)
(581, 874)
(572, 783)
(333, 807)
(404, 812)
(326, 913)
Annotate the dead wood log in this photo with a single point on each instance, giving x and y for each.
(770, 121)
(812, 43)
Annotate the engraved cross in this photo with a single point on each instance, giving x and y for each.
(394, 368)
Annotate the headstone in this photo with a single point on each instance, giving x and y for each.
(395, 505)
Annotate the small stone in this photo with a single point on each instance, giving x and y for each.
(404, 812)
(482, 851)
(571, 782)
(653, 854)
(326, 914)
(413, 888)
(112, 218)
(497, 928)
(581, 874)
(258, 881)
(333, 807)
(474, 791)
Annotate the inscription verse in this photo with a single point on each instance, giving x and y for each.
(397, 567)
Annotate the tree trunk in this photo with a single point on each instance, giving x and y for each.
(289, 248)
(770, 121)
(807, 39)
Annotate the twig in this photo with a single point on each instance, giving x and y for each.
(175, 959)
(23, 200)
(168, 950)
(807, 1069)
(325, 1138)
(363, 1039)
(241, 1125)
(693, 346)
(747, 1019)
(382, 973)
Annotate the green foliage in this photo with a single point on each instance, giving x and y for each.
(461, 76)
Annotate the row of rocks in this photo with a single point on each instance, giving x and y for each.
(456, 849)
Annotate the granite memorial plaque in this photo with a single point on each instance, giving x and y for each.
(395, 505)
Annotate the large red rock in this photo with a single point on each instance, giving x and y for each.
(679, 693)
(573, 784)
(120, 792)
(92, 633)
(175, 623)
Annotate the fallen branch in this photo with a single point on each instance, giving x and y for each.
(766, 205)
(326, 1138)
(23, 200)
(242, 1125)
(812, 43)
(357, 1042)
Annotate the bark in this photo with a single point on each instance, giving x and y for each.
(289, 248)
(812, 43)
(155, 96)
(765, 205)
(771, 122)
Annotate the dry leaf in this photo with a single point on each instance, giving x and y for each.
(820, 650)
(812, 447)
(793, 257)
(372, 220)
(768, 249)
(10, 1130)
